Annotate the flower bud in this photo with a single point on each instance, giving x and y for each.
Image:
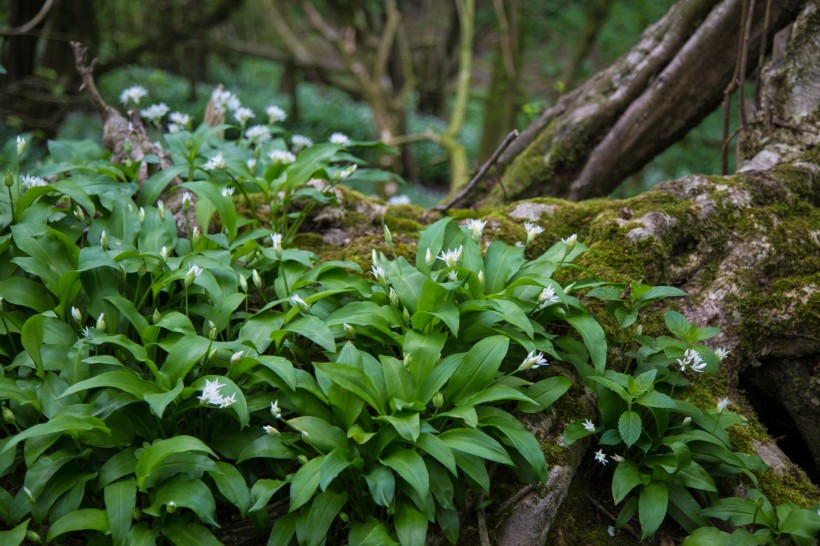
(171, 507)
(408, 360)
(243, 283)
(299, 302)
(29, 494)
(8, 416)
(195, 235)
(274, 410)
(438, 400)
(211, 330)
(237, 356)
(161, 209)
(257, 280)
(157, 316)
(394, 298)
(302, 459)
(101, 322)
(428, 258)
(186, 202)
(388, 237)
(141, 215)
(164, 253)
(350, 332)
(76, 314)
(9, 180)
(79, 214)
(21, 145)
(104, 240)
(405, 315)
(32, 536)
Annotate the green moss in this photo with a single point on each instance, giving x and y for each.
(790, 485)
(556, 455)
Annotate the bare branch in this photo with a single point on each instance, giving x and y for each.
(386, 43)
(36, 20)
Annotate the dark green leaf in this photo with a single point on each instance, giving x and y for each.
(652, 508)
(410, 467)
(87, 519)
(624, 480)
(629, 426)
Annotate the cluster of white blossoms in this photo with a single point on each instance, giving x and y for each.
(339, 138)
(533, 230)
(134, 94)
(179, 121)
(243, 115)
(224, 100)
(33, 182)
(691, 360)
(452, 256)
(210, 395)
(216, 163)
(547, 297)
(533, 361)
(476, 227)
(281, 157)
(258, 135)
(300, 141)
(275, 114)
(155, 112)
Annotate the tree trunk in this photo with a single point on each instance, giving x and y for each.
(617, 121)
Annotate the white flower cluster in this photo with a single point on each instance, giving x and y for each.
(533, 361)
(258, 135)
(216, 163)
(155, 112)
(225, 100)
(179, 121)
(300, 141)
(547, 297)
(691, 360)
(476, 227)
(33, 182)
(339, 138)
(275, 114)
(210, 395)
(133, 94)
(281, 157)
(451, 257)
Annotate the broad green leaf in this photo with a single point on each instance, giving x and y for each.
(514, 315)
(625, 478)
(593, 336)
(371, 532)
(121, 464)
(183, 354)
(513, 434)
(323, 511)
(232, 485)
(545, 393)
(411, 526)
(382, 485)
(629, 427)
(26, 293)
(475, 442)
(694, 476)
(425, 350)
(308, 162)
(305, 483)
(652, 508)
(684, 508)
(161, 450)
(60, 424)
(262, 491)
(410, 467)
(184, 492)
(736, 511)
(283, 530)
(187, 533)
(357, 382)
(127, 309)
(437, 449)
(125, 381)
(320, 433)
(474, 467)
(313, 329)
(158, 401)
(32, 339)
(335, 462)
(801, 522)
(157, 182)
(266, 446)
(120, 501)
(224, 205)
(477, 368)
(14, 537)
(655, 399)
(87, 519)
(708, 536)
(502, 262)
(659, 292)
(407, 425)
(677, 324)
(432, 239)
(142, 535)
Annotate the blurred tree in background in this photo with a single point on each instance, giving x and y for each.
(444, 81)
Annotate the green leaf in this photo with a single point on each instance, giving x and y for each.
(659, 292)
(183, 354)
(313, 329)
(32, 339)
(652, 508)
(157, 182)
(142, 535)
(629, 427)
(544, 394)
(408, 425)
(432, 239)
(158, 401)
(283, 530)
(655, 399)
(125, 381)
(323, 435)
(477, 368)
(624, 480)
(382, 485)
(371, 532)
(335, 462)
(87, 519)
(684, 508)
(357, 382)
(120, 501)
(677, 324)
(64, 423)
(410, 467)
(694, 476)
(26, 293)
(433, 446)
(708, 536)
(223, 205)
(477, 443)
(513, 433)
(232, 485)
(323, 510)
(501, 263)
(127, 309)
(266, 446)
(14, 537)
(308, 162)
(411, 525)
(425, 350)
(185, 492)
(187, 533)
(161, 450)
(305, 482)
(593, 336)
(735, 510)
(262, 491)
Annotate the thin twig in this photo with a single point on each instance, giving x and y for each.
(744, 53)
(481, 172)
(730, 89)
(483, 534)
(762, 57)
(25, 28)
(627, 528)
(512, 501)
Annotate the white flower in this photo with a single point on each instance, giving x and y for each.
(227, 401)
(75, 314)
(276, 240)
(378, 272)
(274, 409)
(600, 456)
(155, 112)
(533, 361)
(194, 272)
(258, 134)
(452, 275)
(533, 230)
(211, 332)
(699, 366)
(237, 356)
(721, 405)
(399, 200)
(227, 191)
(691, 358)
(571, 240)
(133, 94)
(275, 114)
(175, 128)
(547, 297)
(21, 145)
(339, 138)
(476, 227)
(451, 257)
(300, 141)
(611, 530)
(589, 425)
(163, 253)
(350, 169)
(251, 164)
(210, 392)
(481, 277)
(721, 353)
(217, 162)
(243, 115)
(243, 283)
(180, 118)
(687, 420)
(617, 458)
(33, 182)
(87, 331)
(282, 156)
(270, 430)
(186, 200)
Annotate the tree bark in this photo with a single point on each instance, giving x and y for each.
(612, 125)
